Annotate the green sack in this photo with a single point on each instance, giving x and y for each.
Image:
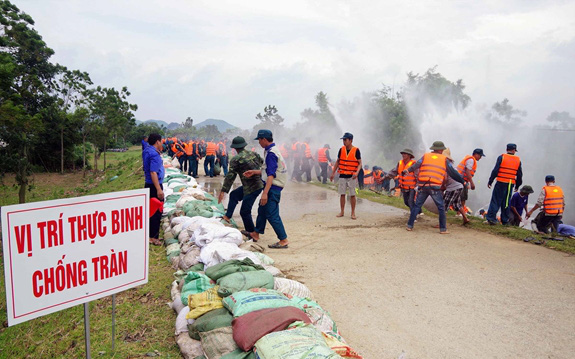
(239, 354)
(232, 266)
(195, 283)
(199, 267)
(239, 281)
(217, 169)
(213, 319)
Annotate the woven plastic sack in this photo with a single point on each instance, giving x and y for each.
(168, 233)
(319, 317)
(189, 259)
(292, 288)
(190, 348)
(252, 247)
(218, 342)
(247, 301)
(239, 281)
(175, 163)
(181, 321)
(274, 271)
(195, 283)
(211, 320)
(215, 232)
(176, 230)
(298, 343)
(265, 259)
(219, 252)
(342, 349)
(239, 354)
(204, 302)
(232, 266)
(179, 220)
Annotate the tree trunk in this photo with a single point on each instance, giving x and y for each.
(62, 150)
(21, 175)
(84, 156)
(105, 156)
(95, 158)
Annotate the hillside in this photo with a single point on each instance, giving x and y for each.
(220, 124)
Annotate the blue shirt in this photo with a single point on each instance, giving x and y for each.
(152, 163)
(519, 202)
(566, 230)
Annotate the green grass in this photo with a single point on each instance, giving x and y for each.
(144, 323)
(567, 246)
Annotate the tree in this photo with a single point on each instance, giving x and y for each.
(189, 123)
(111, 112)
(25, 91)
(271, 120)
(561, 120)
(503, 113)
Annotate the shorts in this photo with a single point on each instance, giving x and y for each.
(345, 183)
(465, 192)
(452, 198)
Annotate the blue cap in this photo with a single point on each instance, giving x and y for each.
(479, 151)
(549, 178)
(511, 146)
(347, 135)
(267, 134)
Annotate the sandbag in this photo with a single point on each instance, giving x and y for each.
(181, 321)
(190, 348)
(252, 247)
(218, 342)
(239, 354)
(342, 349)
(179, 220)
(204, 302)
(218, 252)
(195, 283)
(265, 259)
(239, 281)
(211, 320)
(249, 328)
(177, 305)
(301, 342)
(319, 317)
(247, 301)
(211, 232)
(232, 266)
(175, 163)
(189, 259)
(274, 271)
(292, 288)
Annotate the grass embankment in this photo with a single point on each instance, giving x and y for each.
(144, 323)
(568, 245)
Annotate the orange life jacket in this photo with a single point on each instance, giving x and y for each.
(461, 168)
(508, 168)
(348, 163)
(284, 151)
(406, 182)
(378, 176)
(222, 148)
(367, 180)
(307, 150)
(554, 200)
(211, 149)
(433, 170)
(321, 154)
(177, 149)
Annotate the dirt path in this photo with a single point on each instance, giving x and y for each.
(420, 294)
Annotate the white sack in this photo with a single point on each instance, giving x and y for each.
(218, 252)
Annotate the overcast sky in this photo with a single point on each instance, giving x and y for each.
(229, 59)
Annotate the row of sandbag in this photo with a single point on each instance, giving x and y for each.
(232, 303)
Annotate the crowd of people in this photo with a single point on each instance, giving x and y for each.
(434, 175)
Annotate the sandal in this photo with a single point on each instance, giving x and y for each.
(247, 234)
(277, 245)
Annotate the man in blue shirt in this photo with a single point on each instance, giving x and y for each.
(518, 203)
(154, 176)
(275, 171)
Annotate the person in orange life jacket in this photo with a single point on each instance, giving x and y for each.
(519, 203)
(323, 158)
(348, 164)
(210, 158)
(508, 173)
(378, 176)
(406, 182)
(433, 168)
(467, 168)
(296, 159)
(193, 153)
(184, 157)
(552, 200)
(306, 162)
(367, 178)
(179, 152)
(222, 153)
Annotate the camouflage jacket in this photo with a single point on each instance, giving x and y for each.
(243, 161)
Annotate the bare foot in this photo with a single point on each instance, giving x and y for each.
(340, 215)
(353, 216)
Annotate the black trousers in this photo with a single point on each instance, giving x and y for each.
(156, 217)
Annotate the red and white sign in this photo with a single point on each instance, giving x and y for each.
(61, 253)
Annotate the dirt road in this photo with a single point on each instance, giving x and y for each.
(420, 294)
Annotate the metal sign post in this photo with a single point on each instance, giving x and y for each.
(113, 322)
(87, 329)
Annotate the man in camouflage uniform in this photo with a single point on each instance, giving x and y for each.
(251, 187)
